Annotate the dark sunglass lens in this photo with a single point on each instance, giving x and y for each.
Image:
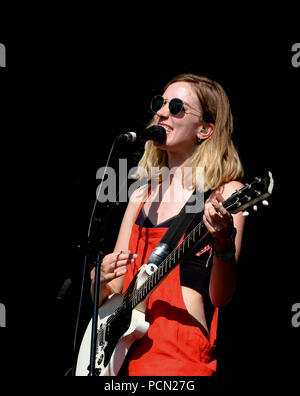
(175, 106)
(157, 103)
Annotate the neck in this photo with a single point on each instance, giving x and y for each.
(177, 162)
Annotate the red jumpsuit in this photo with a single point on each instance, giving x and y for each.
(174, 344)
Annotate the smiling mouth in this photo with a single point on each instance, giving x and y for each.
(167, 127)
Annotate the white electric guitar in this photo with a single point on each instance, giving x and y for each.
(121, 319)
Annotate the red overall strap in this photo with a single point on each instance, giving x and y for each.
(142, 203)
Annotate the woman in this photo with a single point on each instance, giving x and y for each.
(183, 309)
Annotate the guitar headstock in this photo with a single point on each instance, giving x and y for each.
(250, 194)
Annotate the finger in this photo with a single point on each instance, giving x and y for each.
(213, 220)
(119, 253)
(220, 210)
(120, 272)
(121, 263)
(208, 215)
(208, 224)
(123, 251)
(113, 275)
(213, 212)
(214, 215)
(219, 196)
(125, 256)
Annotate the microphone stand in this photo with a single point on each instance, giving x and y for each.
(91, 368)
(94, 244)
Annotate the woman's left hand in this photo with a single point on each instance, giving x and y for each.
(217, 219)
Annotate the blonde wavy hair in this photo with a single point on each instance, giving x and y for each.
(216, 155)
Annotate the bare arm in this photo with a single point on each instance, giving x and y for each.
(219, 223)
(113, 266)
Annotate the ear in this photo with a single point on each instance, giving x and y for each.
(206, 130)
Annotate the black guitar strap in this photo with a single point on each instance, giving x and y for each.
(169, 242)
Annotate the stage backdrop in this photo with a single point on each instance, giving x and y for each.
(64, 98)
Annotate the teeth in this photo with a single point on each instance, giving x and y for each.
(168, 129)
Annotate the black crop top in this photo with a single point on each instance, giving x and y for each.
(195, 269)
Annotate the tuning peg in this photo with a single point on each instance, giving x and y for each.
(245, 213)
(255, 208)
(265, 202)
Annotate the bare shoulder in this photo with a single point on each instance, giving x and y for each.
(129, 217)
(139, 195)
(229, 188)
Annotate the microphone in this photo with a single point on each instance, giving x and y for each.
(155, 132)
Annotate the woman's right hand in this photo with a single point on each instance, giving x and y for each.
(114, 265)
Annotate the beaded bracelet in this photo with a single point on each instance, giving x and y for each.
(224, 256)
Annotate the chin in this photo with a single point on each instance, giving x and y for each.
(162, 145)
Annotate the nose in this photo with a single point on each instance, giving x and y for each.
(164, 111)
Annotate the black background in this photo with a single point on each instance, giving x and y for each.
(75, 81)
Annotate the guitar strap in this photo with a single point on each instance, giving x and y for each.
(179, 226)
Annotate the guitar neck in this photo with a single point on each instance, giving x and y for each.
(250, 194)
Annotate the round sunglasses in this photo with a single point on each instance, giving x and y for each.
(176, 105)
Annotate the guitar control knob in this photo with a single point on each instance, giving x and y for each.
(151, 268)
(265, 202)
(98, 371)
(100, 359)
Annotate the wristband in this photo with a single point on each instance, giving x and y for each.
(224, 256)
(229, 242)
(231, 237)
